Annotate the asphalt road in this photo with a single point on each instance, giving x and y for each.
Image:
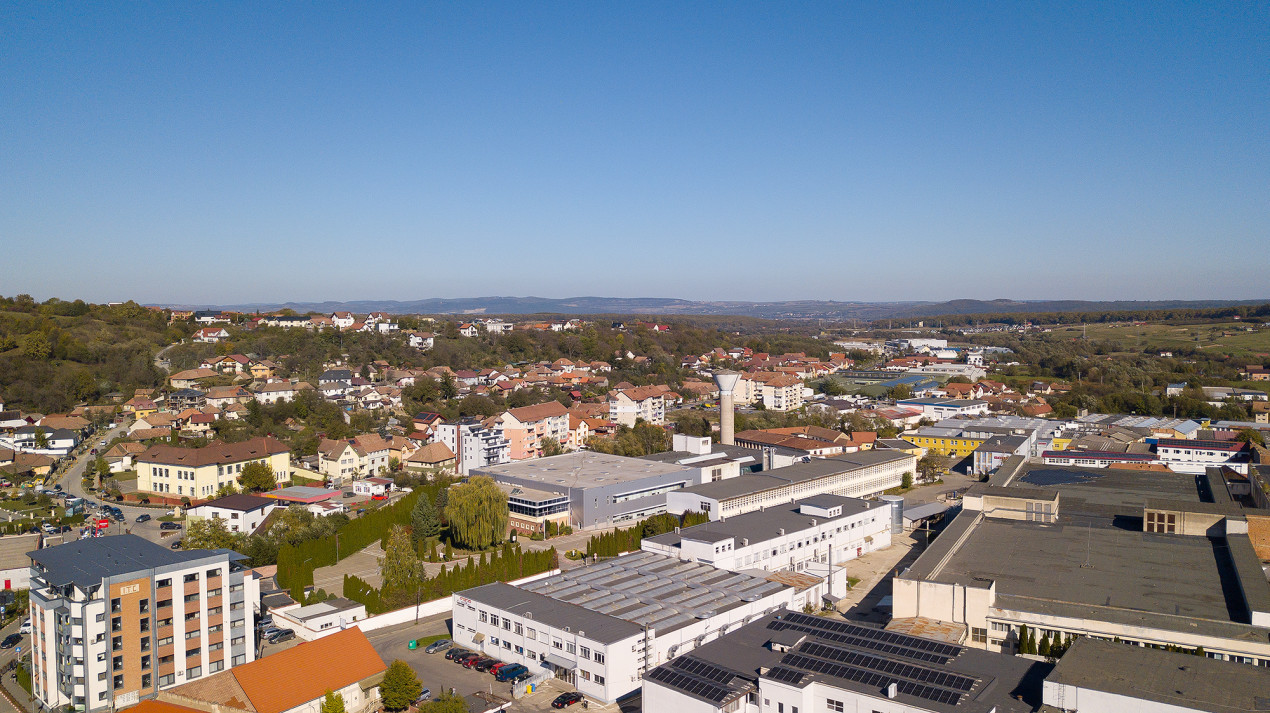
(72, 482)
(6, 656)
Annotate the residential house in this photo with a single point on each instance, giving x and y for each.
(420, 340)
(343, 320)
(211, 335)
(275, 391)
(469, 329)
(353, 458)
(191, 378)
(222, 396)
(374, 487)
(431, 456)
(241, 513)
(120, 456)
(263, 369)
(526, 427)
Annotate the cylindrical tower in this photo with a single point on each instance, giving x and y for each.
(726, 381)
(896, 503)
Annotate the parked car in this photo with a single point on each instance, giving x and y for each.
(521, 677)
(424, 696)
(463, 658)
(265, 622)
(484, 665)
(177, 545)
(508, 673)
(564, 700)
(498, 666)
(455, 652)
(168, 525)
(143, 517)
(48, 529)
(473, 661)
(436, 646)
(349, 494)
(26, 627)
(10, 641)
(281, 635)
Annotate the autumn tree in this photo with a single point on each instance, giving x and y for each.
(400, 566)
(257, 477)
(400, 686)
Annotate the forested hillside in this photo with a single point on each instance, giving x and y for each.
(56, 354)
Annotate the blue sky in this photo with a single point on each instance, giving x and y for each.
(241, 152)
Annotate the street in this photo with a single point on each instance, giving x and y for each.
(72, 482)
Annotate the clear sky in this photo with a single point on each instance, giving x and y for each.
(239, 152)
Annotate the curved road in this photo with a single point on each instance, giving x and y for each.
(72, 482)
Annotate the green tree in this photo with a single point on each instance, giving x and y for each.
(445, 704)
(902, 391)
(332, 703)
(551, 447)
(209, 534)
(227, 489)
(1023, 639)
(424, 519)
(477, 512)
(41, 439)
(1248, 435)
(257, 477)
(906, 481)
(36, 346)
(400, 686)
(1044, 648)
(400, 566)
(932, 466)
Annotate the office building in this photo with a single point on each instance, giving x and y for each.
(115, 619)
(201, 472)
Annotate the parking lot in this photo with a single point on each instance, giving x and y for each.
(441, 675)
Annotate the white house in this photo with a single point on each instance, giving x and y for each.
(211, 335)
(420, 340)
(240, 512)
(374, 487)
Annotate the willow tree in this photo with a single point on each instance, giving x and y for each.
(477, 513)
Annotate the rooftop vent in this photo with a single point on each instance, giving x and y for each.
(891, 689)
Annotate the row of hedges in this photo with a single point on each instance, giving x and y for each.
(612, 544)
(510, 563)
(297, 562)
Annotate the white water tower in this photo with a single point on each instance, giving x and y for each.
(726, 381)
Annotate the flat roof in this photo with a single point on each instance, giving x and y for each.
(330, 606)
(302, 493)
(1175, 679)
(651, 589)
(581, 469)
(86, 562)
(720, 452)
(819, 649)
(532, 495)
(761, 525)
(814, 469)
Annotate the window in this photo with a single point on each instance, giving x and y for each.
(118, 682)
(145, 662)
(116, 644)
(238, 641)
(586, 676)
(835, 706)
(978, 635)
(116, 606)
(164, 603)
(116, 623)
(165, 622)
(193, 577)
(167, 680)
(239, 660)
(599, 657)
(519, 629)
(599, 679)
(213, 573)
(216, 646)
(146, 679)
(144, 605)
(191, 597)
(194, 651)
(557, 644)
(193, 672)
(192, 634)
(116, 662)
(507, 644)
(507, 624)
(484, 616)
(215, 666)
(214, 628)
(586, 653)
(145, 643)
(493, 619)
(214, 592)
(570, 648)
(532, 634)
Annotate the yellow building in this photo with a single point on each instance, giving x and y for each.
(945, 441)
(200, 472)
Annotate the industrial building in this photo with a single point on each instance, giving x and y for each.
(1147, 557)
(808, 541)
(789, 662)
(599, 628)
(859, 475)
(116, 619)
(603, 490)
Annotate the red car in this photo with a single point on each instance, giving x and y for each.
(379, 497)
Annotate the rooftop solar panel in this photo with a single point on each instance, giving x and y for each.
(871, 678)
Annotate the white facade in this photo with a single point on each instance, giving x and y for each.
(479, 447)
(236, 519)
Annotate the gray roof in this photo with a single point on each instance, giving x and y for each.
(85, 563)
(637, 589)
(997, 678)
(580, 469)
(760, 525)
(330, 606)
(724, 453)
(1002, 444)
(1181, 680)
(523, 602)
(815, 469)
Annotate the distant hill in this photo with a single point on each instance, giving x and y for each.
(795, 309)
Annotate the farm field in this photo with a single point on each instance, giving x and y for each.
(1219, 338)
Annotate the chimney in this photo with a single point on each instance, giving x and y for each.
(726, 381)
(891, 689)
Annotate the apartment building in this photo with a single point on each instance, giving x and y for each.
(642, 403)
(116, 619)
(475, 443)
(200, 472)
(527, 426)
(776, 391)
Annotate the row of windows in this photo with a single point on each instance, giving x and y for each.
(532, 634)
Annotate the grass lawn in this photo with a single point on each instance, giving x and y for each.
(301, 480)
(1219, 337)
(170, 518)
(125, 475)
(17, 506)
(429, 639)
(852, 581)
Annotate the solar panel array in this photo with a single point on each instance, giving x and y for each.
(786, 675)
(699, 687)
(872, 678)
(704, 669)
(897, 668)
(886, 642)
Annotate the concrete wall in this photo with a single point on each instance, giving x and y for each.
(1087, 700)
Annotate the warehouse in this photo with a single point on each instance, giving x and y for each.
(857, 475)
(1151, 558)
(600, 627)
